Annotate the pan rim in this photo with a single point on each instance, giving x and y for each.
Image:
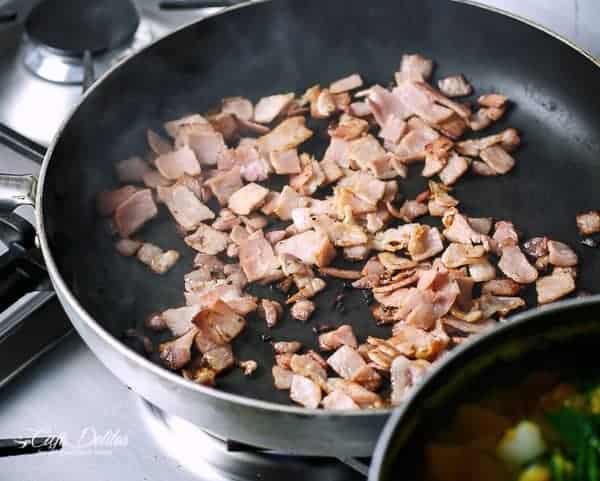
(139, 360)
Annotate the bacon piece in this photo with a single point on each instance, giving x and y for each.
(131, 169)
(287, 347)
(285, 162)
(491, 305)
(498, 159)
(346, 361)
(482, 270)
(454, 169)
(288, 134)
(338, 400)
(152, 179)
(247, 199)
(359, 109)
(348, 274)
(501, 287)
(271, 311)
(257, 257)
(425, 242)
(458, 228)
(455, 86)
(305, 392)
(492, 100)
(515, 265)
(404, 375)
(508, 139)
(174, 126)
(185, 207)
(218, 324)
(179, 320)
(174, 165)
(413, 145)
(268, 108)
(177, 353)
(302, 310)
(553, 287)
(458, 255)
(348, 128)
(588, 223)
(220, 358)
(505, 234)
(134, 212)
(561, 254)
(364, 150)
(361, 396)
(311, 247)
(421, 101)
(416, 343)
(310, 178)
(309, 366)
(384, 105)
(287, 201)
(341, 234)
(307, 289)
(224, 184)
(415, 67)
(451, 323)
(345, 84)
(343, 335)
(282, 378)
(241, 107)
(207, 240)
(108, 200)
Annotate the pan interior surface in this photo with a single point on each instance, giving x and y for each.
(288, 45)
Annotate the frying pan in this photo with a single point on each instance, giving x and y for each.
(280, 46)
(562, 337)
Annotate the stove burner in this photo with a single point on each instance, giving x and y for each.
(73, 27)
(208, 457)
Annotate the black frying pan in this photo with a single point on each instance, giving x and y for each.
(287, 45)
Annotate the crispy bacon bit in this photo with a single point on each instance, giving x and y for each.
(288, 134)
(268, 108)
(302, 309)
(247, 199)
(588, 223)
(561, 255)
(492, 100)
(271, 311)
(134, 212)
(174, 165)
(241, 107)
(248, 367)
(287, 347)
(553, 287)
(305, 392)
(501, 287)
(345, 84)
(282, 378)
(186, 208)
(343, 335)
(207, 240)
(177, 353)
(455, 86)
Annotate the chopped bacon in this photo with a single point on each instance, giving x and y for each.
(241, 107)
(174, 126)
(271, 311)
(490, 305)
(418, 100)
(309, 366)
(311, 247)
(508, 140)
(361, 396)
(340, 273)
(220, 358)
(425, 242)
(492, 100)
(505, 234)
(561, 254)
(501, 287)
(553, 287)
(287, 347)
(268, 108)
(185, 207)
(285, 162)
(248, 367)
(257, 257)
(588, 223)
(218, 324)
(454, 169)
(224, 184)
(302, 309)
(282, 378)
(177, 353)
(405, 374)
(207, 240)
(482, 270)
(346, 361)
(458, 255)
(343, 335)
(483, 225)
(536, 247)
(458, 228)
(415, 67)
(498, 159)
(348, 128)
(345, 84)
(288, 134)
(338, 400)
(179, 320)
(455, 86)
(134, 212)
(108, 201)
(247, 199)
(305, 392)
(515, 265)
(174, 165)
(153, 179)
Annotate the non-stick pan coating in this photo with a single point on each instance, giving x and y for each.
(288, 45)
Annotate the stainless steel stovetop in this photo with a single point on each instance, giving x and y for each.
(108, 433)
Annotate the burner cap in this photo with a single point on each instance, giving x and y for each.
(74, 26)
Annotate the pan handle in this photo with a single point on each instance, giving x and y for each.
(16, 190)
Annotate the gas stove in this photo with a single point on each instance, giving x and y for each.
(53, 391)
